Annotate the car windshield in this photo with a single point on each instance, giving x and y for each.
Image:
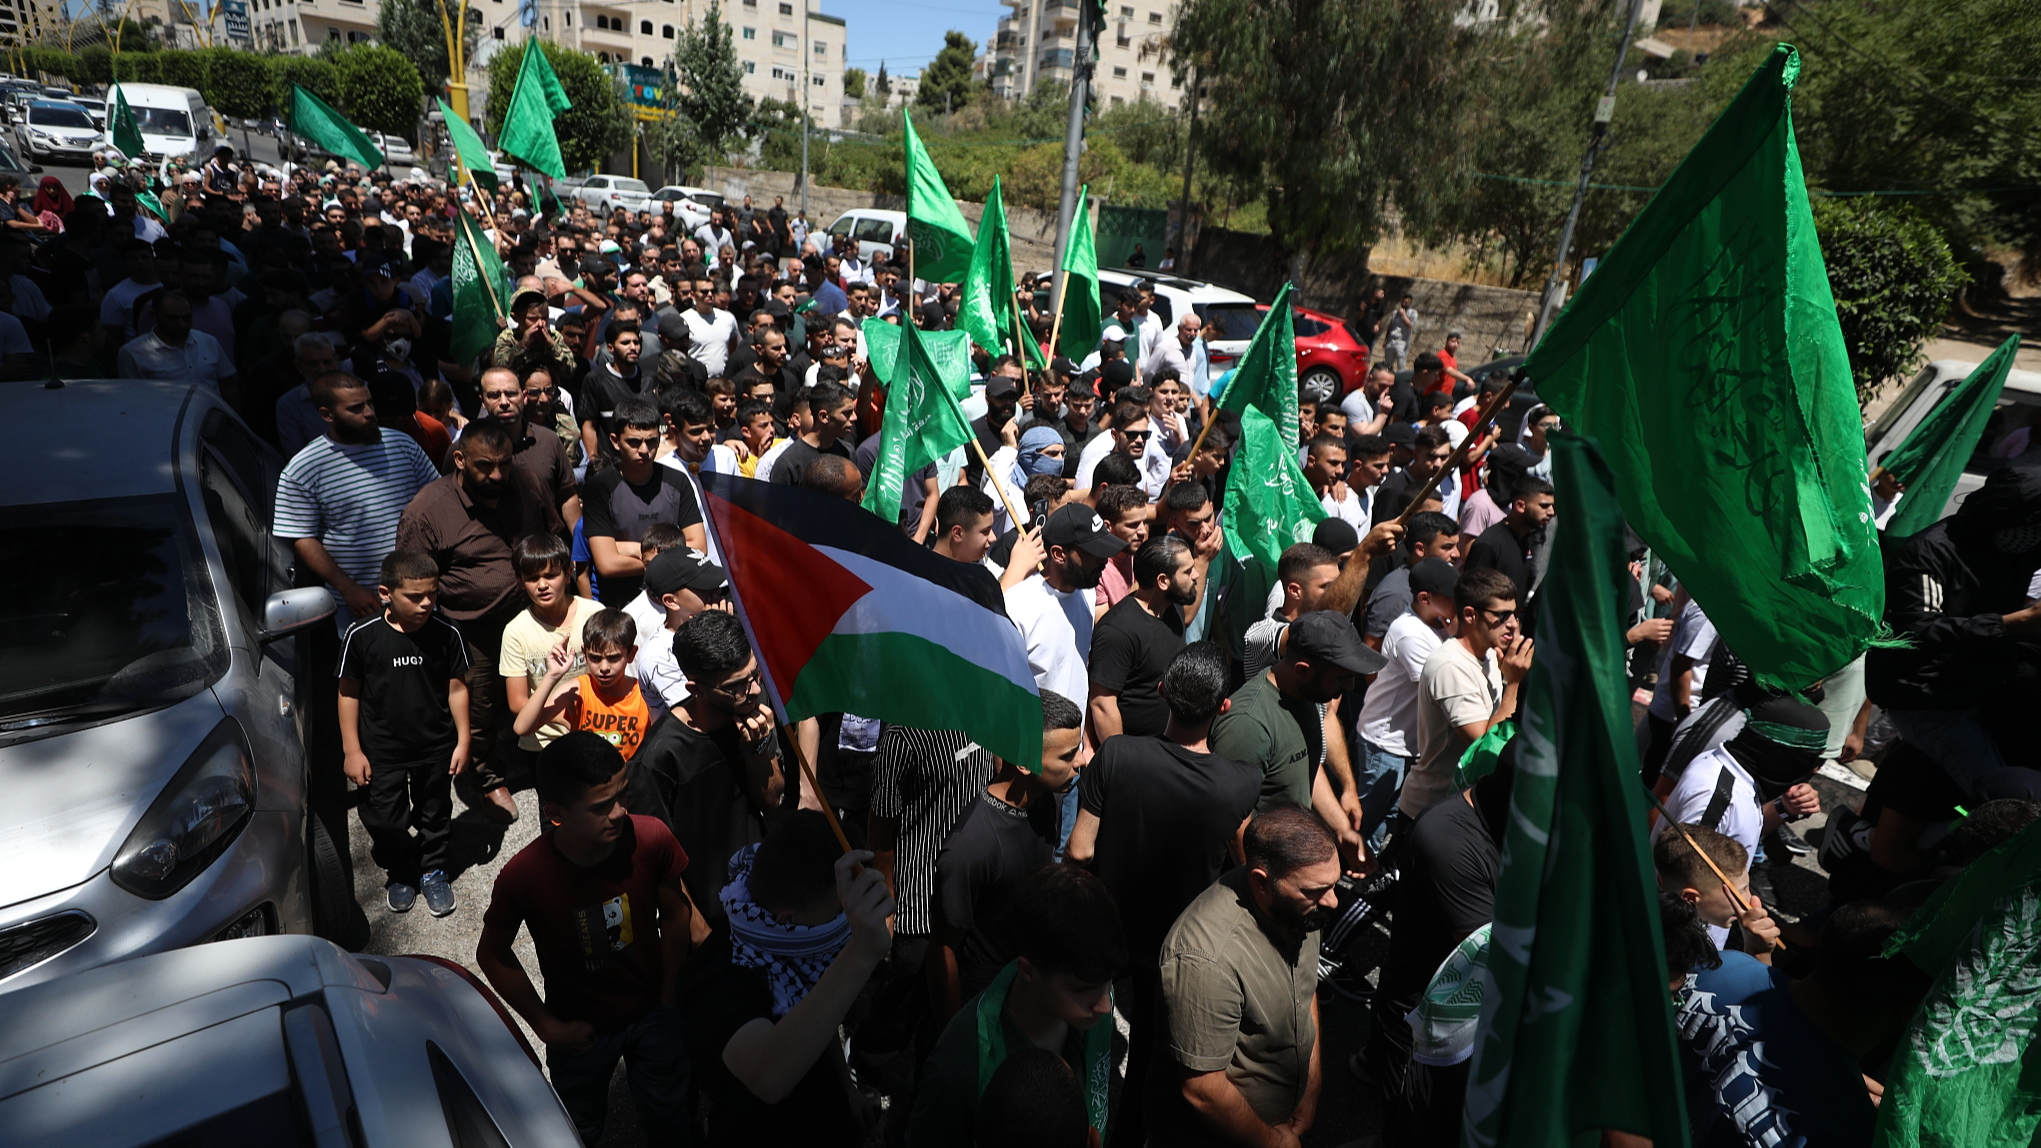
(8, 160)
(162, 121)
(111, 608)
(637, 185)
(1234, 320)
(60, 118)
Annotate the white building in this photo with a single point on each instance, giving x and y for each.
(1038, 41)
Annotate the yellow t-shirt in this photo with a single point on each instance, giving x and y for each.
(527, 641)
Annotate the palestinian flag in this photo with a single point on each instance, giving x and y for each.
(847, 614)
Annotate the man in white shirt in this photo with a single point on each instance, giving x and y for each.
(1053, 609)
(1388, 723)
(1132, 434)
(686, 583)
(1467, 686)
(1744, 788)
(1682, 673)
(714, 236)
(710, 328)
(172, 350)
(1150, 328)
(116, 310)
(1175, 352)
(1325, 468)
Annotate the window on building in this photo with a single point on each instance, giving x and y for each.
(1155, 17)
(750, 69)
(821, 47)
(1126, 13)
(1147, 78)
(545, 23)
(1121, 40)
(570, 18)
(820, 82)
(666, 31)
(1119, 73)
(1118, 102)
(786, 9)
(751, 33)
(644, 27)
(294, 34)
(751, 3)
(498, 30)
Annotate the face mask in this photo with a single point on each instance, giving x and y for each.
(398, 348)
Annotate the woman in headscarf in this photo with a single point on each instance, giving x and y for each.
(51, 204)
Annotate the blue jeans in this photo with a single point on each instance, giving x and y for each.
(1379, 777)
(653, 1052)
(1956, 740)
(1067, 815)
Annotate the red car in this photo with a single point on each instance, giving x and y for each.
(1330, 360)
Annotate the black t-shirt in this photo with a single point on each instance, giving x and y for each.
(992, 847)
(1395, 494)
(1447, 890)
(715, 998)
(792, 464)
(1166, 817)
(1130, 650)
(694, 782)
(1499, 548)
(623, 511)
(405, 716)
(913, 485)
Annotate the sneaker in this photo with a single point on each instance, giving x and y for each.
(439, 895)
(1791, 842)
(400, 897)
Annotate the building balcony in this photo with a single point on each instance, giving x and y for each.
(1004, 42)
(1057, 58)
(1060, 13)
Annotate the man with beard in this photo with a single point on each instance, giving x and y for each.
(1053, 608)
(1138, 638)
(1239, 994)
(468, 521)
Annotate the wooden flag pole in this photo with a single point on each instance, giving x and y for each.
(1489, 410)
(808, 771)
(1727, 886)
(1012, 514)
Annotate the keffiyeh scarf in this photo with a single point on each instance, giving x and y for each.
(793, 957)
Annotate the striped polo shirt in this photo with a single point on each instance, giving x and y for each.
(349, 497)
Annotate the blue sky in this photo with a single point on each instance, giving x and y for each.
(907, 34)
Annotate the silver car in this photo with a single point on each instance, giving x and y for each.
(270, 1041)
(149, 745)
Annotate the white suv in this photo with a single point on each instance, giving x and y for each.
(606, 193)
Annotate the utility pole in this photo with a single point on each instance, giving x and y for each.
(807, 54)
(1190, 151)
(1605, 111)
(1073, 144)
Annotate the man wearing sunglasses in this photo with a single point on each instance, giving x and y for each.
(1467, 687)
(1133, 435)
(539, 452)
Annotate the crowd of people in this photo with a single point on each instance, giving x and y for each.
(1250, 820)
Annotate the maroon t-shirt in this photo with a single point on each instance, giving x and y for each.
(596, 928)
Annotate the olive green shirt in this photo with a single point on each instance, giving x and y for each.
(1282, 737)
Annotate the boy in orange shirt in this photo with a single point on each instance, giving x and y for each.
(606, 700)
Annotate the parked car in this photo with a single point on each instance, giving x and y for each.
(271, 1040)
(1331, 359)
(95, 107)
(606, 193)
(688, 207)
(149, 747)
(58, 131)
(396, 150)
(2019, 404)
(873, 229)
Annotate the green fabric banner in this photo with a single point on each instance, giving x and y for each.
(313, 119)
(527, 131)
(1266, 378)
(922, 421)
(935, 225)
(985, 303)
(468, 146)
(950, 351)
(1968, 1074)
(1705, 357)
(1931, 459)
(1269, 504)
(1082, 320)
(126, 135)
(1576, 1027)
(479, 286)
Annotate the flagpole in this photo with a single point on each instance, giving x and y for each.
(1011, 512)
(808, 771)
(1727, 886)
(1489, 410)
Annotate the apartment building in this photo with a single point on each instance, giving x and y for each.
(1038, 41)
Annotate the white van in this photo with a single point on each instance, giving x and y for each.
(173, 121)
(872, 228)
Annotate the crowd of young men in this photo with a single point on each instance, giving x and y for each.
(1231, 792)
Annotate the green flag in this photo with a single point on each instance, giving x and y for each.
(985, 306)
(151, 204)
(1931, 459)
(950, 351)
(127, 136)
(1269, 504)
(1705, 356)
(941, 238)
(1082, 321)
(1576, 1026)
(922, 423)
(527, 130)
(1266, 378)
(479, 285)
(1964, 1076)
(469, 148)
(313, 119)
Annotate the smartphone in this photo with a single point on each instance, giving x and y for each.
(1041, 512)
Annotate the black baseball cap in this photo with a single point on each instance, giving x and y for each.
(997, 385)
(1434, 576)
(683, 569)
(1062, 367)
(1335, 534)
(1079, 526)
(1327, 636)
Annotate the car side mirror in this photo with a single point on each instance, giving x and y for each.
(295, 611)
(35, 169)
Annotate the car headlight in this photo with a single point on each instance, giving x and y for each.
(193, 821)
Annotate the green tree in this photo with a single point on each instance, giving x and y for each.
(776, 125)
(1893, 277)
(316, 76)
(181, 69)
(241, 84)
(946, 83)
(711, 110)
(139, 67)
(379, 89)
(883, 83)
(413, 27)
(854, 83)
(597, 125)
(1340, 111)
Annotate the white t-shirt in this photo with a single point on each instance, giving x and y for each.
(658, 671)
(1154, 464)
(1389, 716)
(526, 643)
(1353, 509)
(1453, 690)
(1694, 636)
(711, 338)
(1358, 406)
(117, 308)
(1709, 774)
(199, 360)
(1057, 629)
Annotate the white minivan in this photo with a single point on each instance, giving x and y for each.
(873, 229)
(173, 121)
